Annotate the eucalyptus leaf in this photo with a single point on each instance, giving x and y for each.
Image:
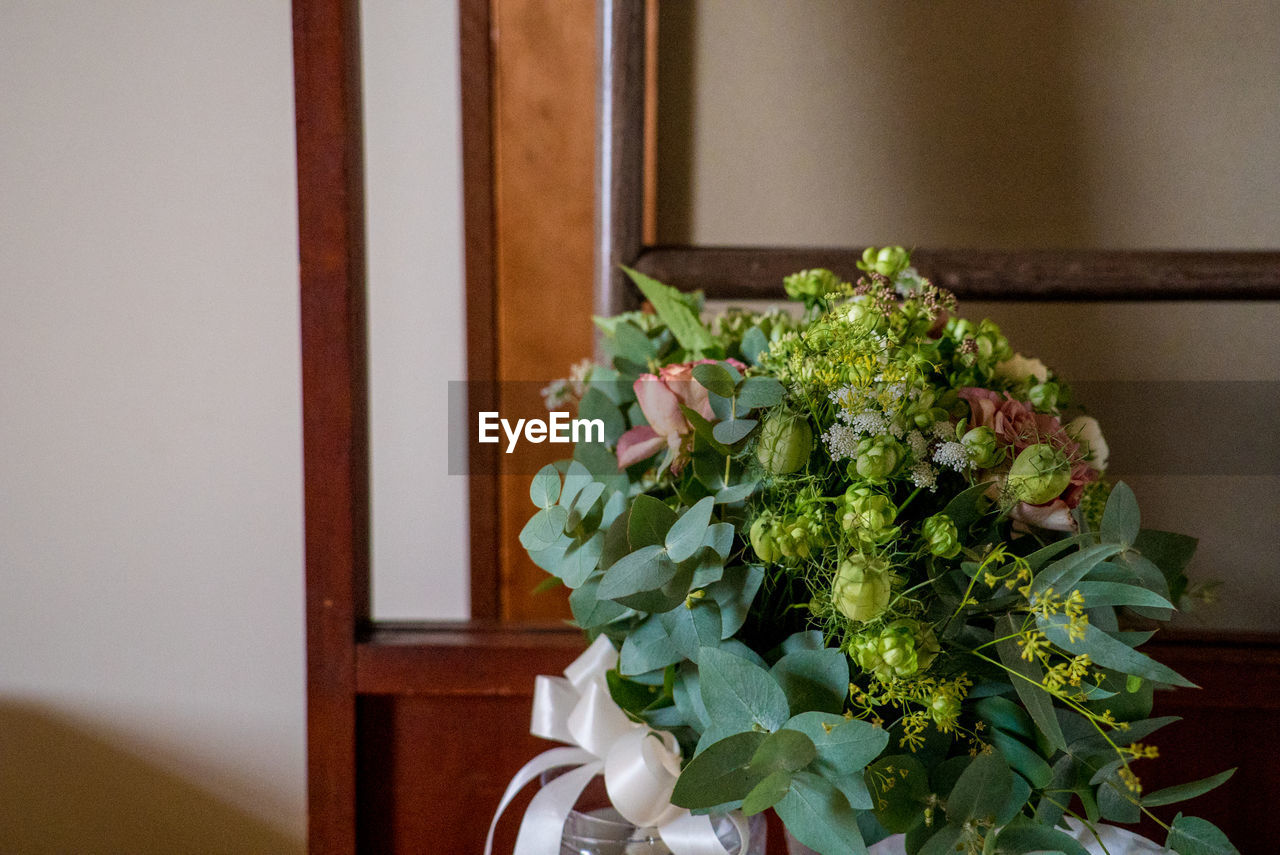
(596, 405)
(1109, 652)
(720, 774)
(1121, 521)
(1182, 792)
(1022, 759)
(733, 431)
(714, 377)
(739, 694)
(576, 477)
(758, 392)
(767, 793)
(845, 747)
(1118, 594)
(947, 840)
(647, 648)
(649, 522)
(630, 343)
(1021, 836)
(704, 429)
(784, 749)
(754, 345)
(591, 612)
(581, 560)
(692, 627)
(544, 490)
(734, 594)
(982, 789)
(736, 493)
(646, 569)
(1063, 574)
(814, 680)
(899, 788)
(819, 816)
(545, 529)
(719, 538)
(686, 535)
(1026, 679)
(1191, 835)
(1116, 804)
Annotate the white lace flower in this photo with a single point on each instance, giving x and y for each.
(924, 475)
(952, 454)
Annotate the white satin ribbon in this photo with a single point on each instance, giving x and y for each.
(640, 765)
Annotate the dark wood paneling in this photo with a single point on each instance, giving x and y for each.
(482, 354)
(757, 273)
(335, 442)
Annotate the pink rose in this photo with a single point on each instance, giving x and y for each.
(660, 397)
(1017, 424)
(1013, 422)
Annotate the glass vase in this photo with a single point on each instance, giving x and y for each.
(595, 828)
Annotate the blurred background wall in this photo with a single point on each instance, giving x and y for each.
(998, 124)
(151, 613)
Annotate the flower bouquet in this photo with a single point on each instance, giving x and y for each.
(858, 564)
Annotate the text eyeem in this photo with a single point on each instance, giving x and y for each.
(560, 428)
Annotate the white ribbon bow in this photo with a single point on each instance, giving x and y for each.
(640, 765)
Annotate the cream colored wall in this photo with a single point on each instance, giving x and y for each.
(988, 123)
(151, 585)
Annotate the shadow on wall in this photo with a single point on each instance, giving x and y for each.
(64, 790)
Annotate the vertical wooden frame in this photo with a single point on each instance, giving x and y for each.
(756, 272)
(334, 401)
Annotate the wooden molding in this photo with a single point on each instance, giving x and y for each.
(334, 401)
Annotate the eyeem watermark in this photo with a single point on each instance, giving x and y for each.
(561, 427)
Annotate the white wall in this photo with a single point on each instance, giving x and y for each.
(151, 619)
(416, 309)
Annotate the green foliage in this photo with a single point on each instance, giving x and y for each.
(828, 590)
(1190, 835)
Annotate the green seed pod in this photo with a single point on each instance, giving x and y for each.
(866, 509)
(861, 587)
(762, 541)
(1039, 474)
(944, 708)
(1044, 396)
(786, 440)
(984, 450)
(878, 458)
(941, 535)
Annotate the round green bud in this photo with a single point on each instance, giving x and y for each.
(868, 510)
(861, 587)
(809, 286)
(762, 540)
(1044, 396)
(1039, 474)
(877, 458)
(944, 709)
(887, 261)
(785, 443)
(941, 535)
(984, 450)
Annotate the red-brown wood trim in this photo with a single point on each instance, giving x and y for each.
(479, 658)
(740, 273)
(334, 399)
(482, 356)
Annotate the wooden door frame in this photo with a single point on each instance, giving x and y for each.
(350, 659)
